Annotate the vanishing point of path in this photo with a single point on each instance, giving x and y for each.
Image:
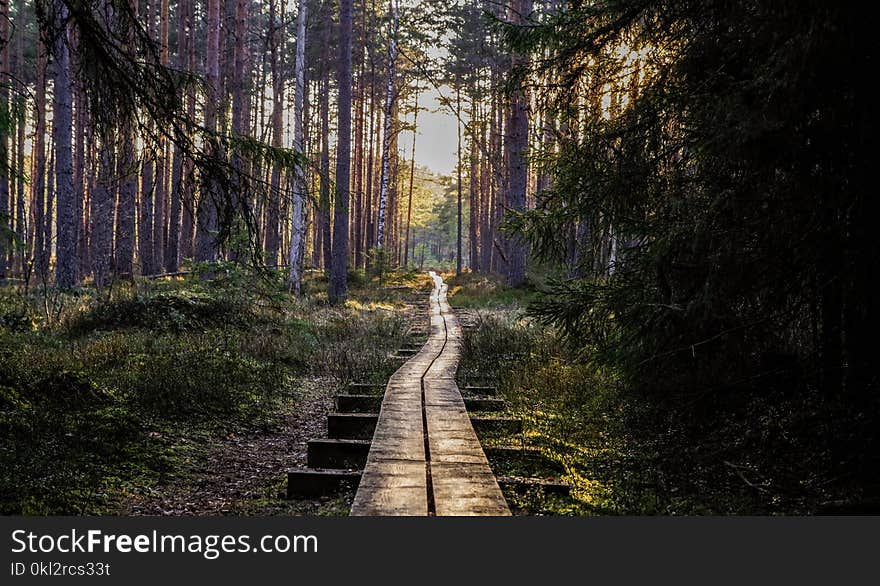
(425, 458)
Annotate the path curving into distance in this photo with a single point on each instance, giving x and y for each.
(425, 458)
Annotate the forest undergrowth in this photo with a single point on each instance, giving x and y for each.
(766, 449)
(108, 398)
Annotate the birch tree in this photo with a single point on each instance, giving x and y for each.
(297, 220)
(388, 128)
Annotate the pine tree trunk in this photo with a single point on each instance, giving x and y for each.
(474, 185)
(173, 250)
(458, 247)
(160, 205)
(126, 170)
(207, 221)
(338, 290)
(517, 147)
(62, 129)
(82, 145)
(412, 177)
(38, 157)
(240, 123)
(101, 213)
(5, 217)
(21, 228)
(324, 195)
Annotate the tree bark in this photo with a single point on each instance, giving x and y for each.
(5, 216)
(21, 228)
(38, 157)
(517, 147)
(387, 130)
(474, 191)
(412, 176)
(458, 247)
(338, 291)
(172, 251)
(160, 205)
(101, 213)
(275, 40)
(206, 227)
(62, 129)
(297, 223)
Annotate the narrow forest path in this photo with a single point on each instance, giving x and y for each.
(425, 458)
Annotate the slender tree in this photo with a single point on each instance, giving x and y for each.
(387, 129)
(5, 127)
(297, 221)
(517, 145)
(412, 177)
(40, 246)
(338, 290)
(66, 261)
(207, 219)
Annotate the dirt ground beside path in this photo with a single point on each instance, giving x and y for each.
(244, 474)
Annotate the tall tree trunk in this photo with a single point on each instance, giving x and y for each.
(82, 145)
(474, 188)
(412, 177)
(387, 130)
(359, 158)
(148, 158)
(485, 205)
(145, 217)
(458, 263)
(21, 228)
(172, 253)
(188, 196)
(368, 196)
(207, 220)
(160, 206)
(297, 223)
(338, 290)
(38, 175)
(324, 195)
(125, 212)
(240, 122)
(101, 212)
(62, 129)
(517, 146)
(5, 216)
(275, 41)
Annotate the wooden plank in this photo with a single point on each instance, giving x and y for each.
(438, 468)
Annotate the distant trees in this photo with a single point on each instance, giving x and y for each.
(202, 142)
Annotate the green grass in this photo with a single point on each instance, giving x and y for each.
(475, 291)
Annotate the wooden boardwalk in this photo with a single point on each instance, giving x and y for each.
(425, 458)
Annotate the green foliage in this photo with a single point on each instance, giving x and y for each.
(165, 311)
(626, 453)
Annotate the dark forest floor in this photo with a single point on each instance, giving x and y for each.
(243, 473)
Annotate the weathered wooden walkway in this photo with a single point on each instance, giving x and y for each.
(425, 458)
